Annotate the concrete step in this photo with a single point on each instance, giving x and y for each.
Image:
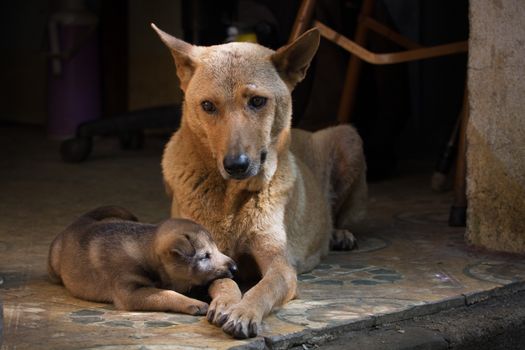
(497, 323)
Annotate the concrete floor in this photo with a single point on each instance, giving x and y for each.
(409, 262)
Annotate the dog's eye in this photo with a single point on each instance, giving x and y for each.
(205, 256)
(257, 102)
(208, 107)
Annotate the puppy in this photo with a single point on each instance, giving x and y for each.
(107, 256)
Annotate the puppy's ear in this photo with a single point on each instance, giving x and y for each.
(183, 54)
(292, 61)
(182, 247)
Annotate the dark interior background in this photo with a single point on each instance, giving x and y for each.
(404, 111)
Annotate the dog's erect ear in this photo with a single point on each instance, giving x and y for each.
(183, 54)
(182, 247)
(292, 61)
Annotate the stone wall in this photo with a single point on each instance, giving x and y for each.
(496, 130)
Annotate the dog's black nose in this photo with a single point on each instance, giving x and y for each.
(236, 165)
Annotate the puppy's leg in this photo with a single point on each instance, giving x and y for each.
(154, 299)
(277, 286)
(224, 293)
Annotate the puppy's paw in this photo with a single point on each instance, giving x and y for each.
(219, 309)
(243, 322)
(342, 240)
(195, 308)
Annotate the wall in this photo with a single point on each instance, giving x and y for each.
(23, 61)
(496, 131)
(152, 76)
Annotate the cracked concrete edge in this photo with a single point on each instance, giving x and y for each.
(476, 297)
(254, 344)
(331, 332)
(420, 310)
(318, 335)
(497, 323)
(408, 338)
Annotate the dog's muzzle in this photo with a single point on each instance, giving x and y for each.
(237, 166)
(240, 166)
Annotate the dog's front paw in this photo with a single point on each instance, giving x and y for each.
(243, 322)
(342, 240)
(219, 309)
(225, 294)
(195, 308)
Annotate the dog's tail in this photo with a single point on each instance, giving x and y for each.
(110, 211)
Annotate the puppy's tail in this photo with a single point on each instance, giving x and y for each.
(110, 211)
(53, 260)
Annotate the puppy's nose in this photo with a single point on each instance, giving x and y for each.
(232, 267)
(236, 165)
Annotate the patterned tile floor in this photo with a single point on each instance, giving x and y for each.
(409, 262)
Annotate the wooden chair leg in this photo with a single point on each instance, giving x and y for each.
(440, 177)
(458, 211)
(303, 19)
(353, 70)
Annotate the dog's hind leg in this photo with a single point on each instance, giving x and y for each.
(342, 239)
(344, 178)
(352, 207)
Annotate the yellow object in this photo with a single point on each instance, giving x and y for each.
(247, 37)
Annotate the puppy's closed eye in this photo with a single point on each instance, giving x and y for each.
(205, 256)
(182, 247)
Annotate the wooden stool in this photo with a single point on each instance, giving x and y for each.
(413, 52)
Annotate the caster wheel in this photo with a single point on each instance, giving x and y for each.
(132, 140)
(75, 150)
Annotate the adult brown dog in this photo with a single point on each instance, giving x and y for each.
(107, 256)
(264, 191)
